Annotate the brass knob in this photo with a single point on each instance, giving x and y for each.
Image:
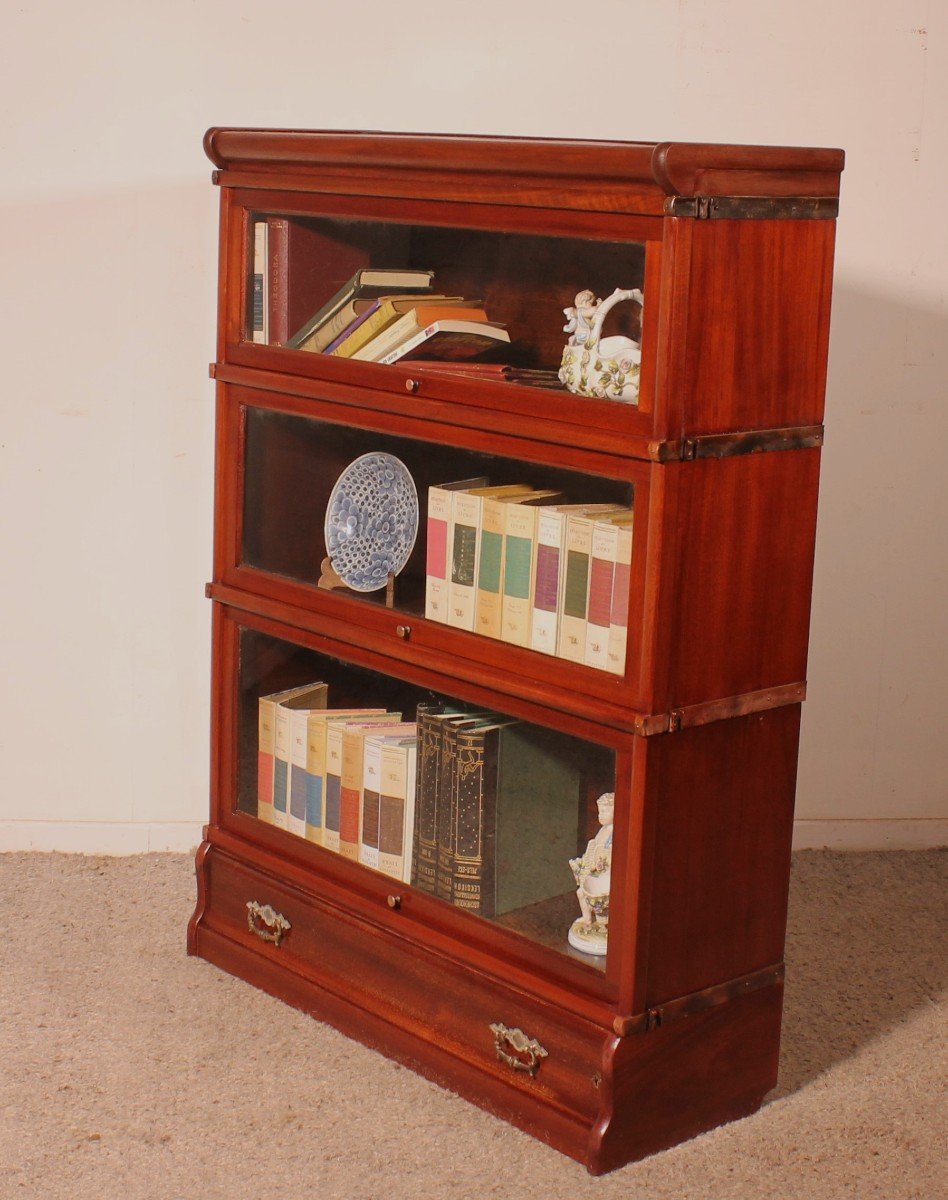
(412, 385)
(394, 901)
(403, 631)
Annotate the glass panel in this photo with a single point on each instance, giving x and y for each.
(482, 304)
(476, 808)
(526, 553)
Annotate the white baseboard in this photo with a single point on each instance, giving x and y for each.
(130, 837)
(922, 833)
(100, 837)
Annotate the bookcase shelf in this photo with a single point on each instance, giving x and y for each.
(447, 953)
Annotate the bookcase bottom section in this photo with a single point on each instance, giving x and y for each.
(601, 1099)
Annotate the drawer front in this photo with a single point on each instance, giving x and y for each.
(517, 1039)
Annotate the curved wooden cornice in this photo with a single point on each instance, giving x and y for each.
(631, 176)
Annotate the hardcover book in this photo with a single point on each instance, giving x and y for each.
(369, 283)
(410, 323)
(376, 316)
(449, 339)
(517, 817)
(604, 545)
(440, 536)
(466, 516)
(520, 536)
(397, 807)
(312, 696)
(315, 776)
(619, 616)
(352, 778)
(268, 775)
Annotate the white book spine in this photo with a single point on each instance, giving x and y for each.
(619, 616)
(371, 792)
(548, 580)
(297, 773)
(463, 549)
(440, 538)
(602, 567)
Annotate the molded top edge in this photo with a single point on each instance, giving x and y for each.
(668, 168)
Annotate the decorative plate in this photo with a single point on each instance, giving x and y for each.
(371, 521)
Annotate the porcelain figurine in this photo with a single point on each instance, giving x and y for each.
(602, 368)
(593, 873)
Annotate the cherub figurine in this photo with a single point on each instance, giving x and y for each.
(579, 319)
(593, 875)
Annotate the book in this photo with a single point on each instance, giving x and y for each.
(266, 748)
(311, 696)
(380, 313)
(604, 544)
(449, 339)
(410, 323)
(619, 615)
(378, 761)
(489, 596)
(440, 536)
(520, 534)
(578, 543)
(466, 512)
(397, 807)
(451, 726)
(352, 778)
(368, 283)
(307, 802)
(430, 720)
(517, 816)
(260, 290)
(550, 572)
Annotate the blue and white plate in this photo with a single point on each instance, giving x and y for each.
(371, 521)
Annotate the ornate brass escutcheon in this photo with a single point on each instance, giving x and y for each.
(266, 922)
(527, 1051)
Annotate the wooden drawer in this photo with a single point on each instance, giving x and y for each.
(377, 970)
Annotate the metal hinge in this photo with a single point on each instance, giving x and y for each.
(754, 208)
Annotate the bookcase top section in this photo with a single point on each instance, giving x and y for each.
(450, 166)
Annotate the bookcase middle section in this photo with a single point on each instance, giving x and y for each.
(521, 563)
(496, 816)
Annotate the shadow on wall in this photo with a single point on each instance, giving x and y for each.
(873, 747)
(866, 946)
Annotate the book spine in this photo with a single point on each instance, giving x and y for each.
(350, 800)
(548, 585)
(394, 834)
(349, 339)
(467, 851)
(371, 803)
(447, 795)
(277, 297)
(265, 747)
(465, 523)
(440, 536)
(315, 780)
(602, 568)
(425, 840)
(333, 788)
(411, 808)
(619, 615)
(490, 568)
(519, 550)
(296, 808)
(572, 638)
(281, 766)
(261, 286)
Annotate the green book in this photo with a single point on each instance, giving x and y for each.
(516, 820)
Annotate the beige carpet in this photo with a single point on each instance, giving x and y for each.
(129, 1070)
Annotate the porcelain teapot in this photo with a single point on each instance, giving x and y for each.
(602, 368)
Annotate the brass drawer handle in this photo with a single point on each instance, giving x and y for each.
(272, 925)
(527, 1051)
(403, 631)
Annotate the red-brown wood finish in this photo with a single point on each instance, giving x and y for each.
(681, 1030)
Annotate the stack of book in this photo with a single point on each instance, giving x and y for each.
(497, 811)
(511, 563)
(342, 778)
(386, 315)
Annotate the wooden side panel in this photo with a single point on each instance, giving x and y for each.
(733, 607)
(677, 1081)
(722, 801)
(757, 325)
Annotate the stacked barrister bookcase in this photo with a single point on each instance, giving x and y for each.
(677, 1028)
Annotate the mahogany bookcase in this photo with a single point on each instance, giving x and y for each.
(677, 1029)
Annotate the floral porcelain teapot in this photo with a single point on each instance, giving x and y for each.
(607, 369)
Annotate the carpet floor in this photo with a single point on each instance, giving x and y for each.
(129, 1070)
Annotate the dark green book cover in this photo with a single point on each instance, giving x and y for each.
(517, 816)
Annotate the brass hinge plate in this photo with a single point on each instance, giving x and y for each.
(754, 208)
(735, 444)
(696, 1002)
(692, 715)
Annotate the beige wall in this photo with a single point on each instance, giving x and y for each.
(107, 328)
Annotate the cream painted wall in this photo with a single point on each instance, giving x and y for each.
(107, 328)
